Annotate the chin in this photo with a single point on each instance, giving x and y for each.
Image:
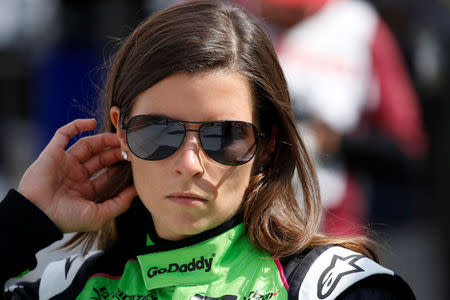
(185, 229)
(196, 227)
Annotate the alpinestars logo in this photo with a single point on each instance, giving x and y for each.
(201, 263)
(339, 267)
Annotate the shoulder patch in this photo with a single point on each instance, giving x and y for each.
(59, 275)
(335, 270)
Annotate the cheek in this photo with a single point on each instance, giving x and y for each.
(232, 191)
(146, 179)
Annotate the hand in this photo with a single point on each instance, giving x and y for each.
(61, 182)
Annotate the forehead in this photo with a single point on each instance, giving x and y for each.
(205, 96)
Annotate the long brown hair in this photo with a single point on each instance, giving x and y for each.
(202, 36)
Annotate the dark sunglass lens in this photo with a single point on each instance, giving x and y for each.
(229, 142)
(154, 138)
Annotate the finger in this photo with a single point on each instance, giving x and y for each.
(64, 134)
(103, 160)
(89, 146)
(102, 179)
(113, 207)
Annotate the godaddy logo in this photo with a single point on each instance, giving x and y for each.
(195, 264)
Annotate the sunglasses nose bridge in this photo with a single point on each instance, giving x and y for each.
(193, 130)
(189, 138)
(186, 130)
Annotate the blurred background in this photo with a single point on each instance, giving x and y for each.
(372, 102)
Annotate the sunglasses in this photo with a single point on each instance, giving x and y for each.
(153, 138)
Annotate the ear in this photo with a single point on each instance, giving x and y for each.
(114, 114)
(270, 145)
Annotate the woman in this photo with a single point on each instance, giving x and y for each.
(189, 191)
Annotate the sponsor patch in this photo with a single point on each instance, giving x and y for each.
(195, 264)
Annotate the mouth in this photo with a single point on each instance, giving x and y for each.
(187, 199)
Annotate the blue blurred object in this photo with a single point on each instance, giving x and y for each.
(63, 87)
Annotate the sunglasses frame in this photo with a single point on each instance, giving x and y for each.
(258, 136)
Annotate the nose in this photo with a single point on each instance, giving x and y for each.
(188, 160)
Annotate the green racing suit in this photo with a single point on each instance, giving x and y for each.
(220, 263)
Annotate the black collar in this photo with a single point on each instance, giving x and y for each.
(134, 225)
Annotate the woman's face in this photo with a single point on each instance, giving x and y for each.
(188, 192)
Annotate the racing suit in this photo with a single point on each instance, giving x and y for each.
(220, 263)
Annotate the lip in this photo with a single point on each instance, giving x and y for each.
(187, 199)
